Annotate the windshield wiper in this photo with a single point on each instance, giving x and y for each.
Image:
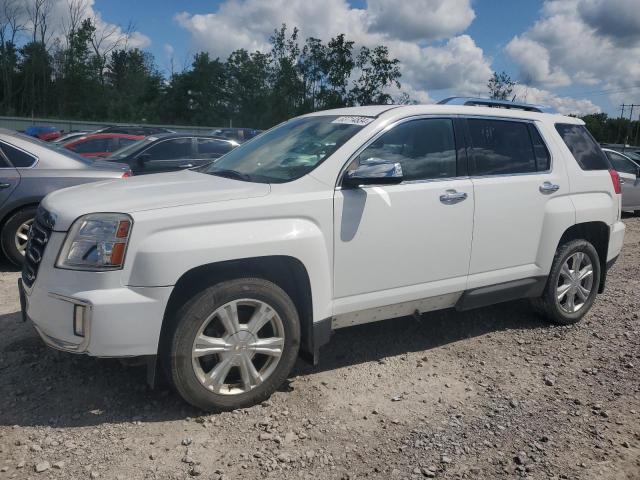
(231, 174)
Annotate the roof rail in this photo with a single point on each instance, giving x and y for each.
(487, 102)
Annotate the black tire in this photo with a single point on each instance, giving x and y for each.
(8, 235)
(547, 305)
(192, 316)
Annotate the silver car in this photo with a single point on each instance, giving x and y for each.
(628, 167)
(29, 170)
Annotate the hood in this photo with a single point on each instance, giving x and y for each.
(146, 192)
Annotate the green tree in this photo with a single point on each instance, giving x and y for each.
(500, 86)
(378, 72)
(248, 88)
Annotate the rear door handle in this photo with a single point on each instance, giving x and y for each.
(4, 185)
(451, 197)
(548, 187)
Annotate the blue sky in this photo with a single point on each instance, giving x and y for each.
(578, 55)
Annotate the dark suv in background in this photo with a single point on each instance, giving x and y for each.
(172, 151)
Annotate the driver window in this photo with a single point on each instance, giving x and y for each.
(424, 148)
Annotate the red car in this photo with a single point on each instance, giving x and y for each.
(98, 145)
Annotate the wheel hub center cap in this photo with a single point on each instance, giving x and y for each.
(242, 342)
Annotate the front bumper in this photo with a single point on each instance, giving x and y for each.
(119, 320)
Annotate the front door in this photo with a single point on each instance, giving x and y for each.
(411, 241)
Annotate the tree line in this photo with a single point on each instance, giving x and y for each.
(89, 72)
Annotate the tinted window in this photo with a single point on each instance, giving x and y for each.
(92, 146)
(210, 147)
(622, 164)
(126, 141)
(424, 148)
(170, 149)
(18, 158)
(501, 147)
(584, 148)
(543, 159)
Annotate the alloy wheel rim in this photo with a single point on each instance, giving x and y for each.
(238, 347)
(22, 236)
(575, 282)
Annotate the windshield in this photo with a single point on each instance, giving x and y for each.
(288, 151)
(129, 149)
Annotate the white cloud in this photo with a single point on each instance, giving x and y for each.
(459, 64)
(420, 19)
(564, 105)
(583, 42)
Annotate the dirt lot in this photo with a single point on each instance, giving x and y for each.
(494, 393)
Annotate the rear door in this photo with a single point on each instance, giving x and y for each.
(628, 172)
(513, 180)
(9, 176)
(208, 149)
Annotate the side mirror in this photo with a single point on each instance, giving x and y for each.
(374, 171)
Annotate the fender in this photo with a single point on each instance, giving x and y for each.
(164, 255)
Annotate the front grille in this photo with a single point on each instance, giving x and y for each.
(39, 235)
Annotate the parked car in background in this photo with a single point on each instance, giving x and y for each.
(29, 170)
(134, 130)
(628, 166)
(240, 135)
(97, 145)
(337, 218)
(172, 151)
(67, 137)
(43, 132)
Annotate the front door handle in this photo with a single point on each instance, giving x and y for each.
(186, 165)
(4, 185)
(548, 187)
(451, 197)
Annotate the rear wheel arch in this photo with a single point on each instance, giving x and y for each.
(597, 233)
(287, 272)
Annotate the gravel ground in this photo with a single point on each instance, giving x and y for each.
(493, 393)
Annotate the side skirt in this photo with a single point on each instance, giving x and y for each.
(501, 292)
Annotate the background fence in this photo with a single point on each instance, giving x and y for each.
(20, 123)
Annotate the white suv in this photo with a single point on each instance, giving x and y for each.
(222, 275)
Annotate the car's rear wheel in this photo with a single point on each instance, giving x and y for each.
(234, 344)
(15, 233)
(572, 284)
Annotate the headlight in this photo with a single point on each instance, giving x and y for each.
(97, 241)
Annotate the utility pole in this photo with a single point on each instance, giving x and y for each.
(629, 128)
(620, 123)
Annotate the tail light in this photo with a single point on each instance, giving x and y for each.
(615, 178)
(126, 174)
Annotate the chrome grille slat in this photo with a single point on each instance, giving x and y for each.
(38, 238)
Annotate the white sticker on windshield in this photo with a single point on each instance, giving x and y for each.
(353, 120)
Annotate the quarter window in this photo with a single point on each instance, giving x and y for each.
(18, 158)
(424, 148)
(584, 148)
(501, 147)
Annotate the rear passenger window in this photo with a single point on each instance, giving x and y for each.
(584, 148)
(424, 148)
(18, 158)
(501, 147)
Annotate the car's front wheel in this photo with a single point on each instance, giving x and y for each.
(234, 344)
(14, 234)
(572, 284)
